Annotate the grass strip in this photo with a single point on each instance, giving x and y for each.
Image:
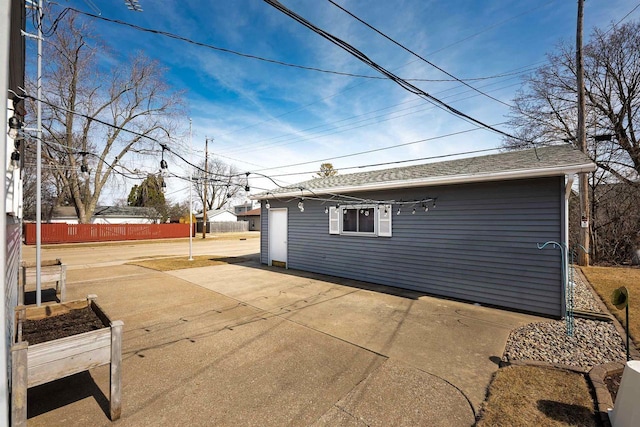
(605, 279)
(534, 396)
(182, 262)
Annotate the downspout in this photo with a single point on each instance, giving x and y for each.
(565, 238)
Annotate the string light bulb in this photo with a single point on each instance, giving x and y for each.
(163, 163)
(267, 205)
(84, 170)
(14, 127)
(301, 206)
(326, 210)
(15, 159)
(398, 213)
(163, 186)
(413, 211)
(366, 212)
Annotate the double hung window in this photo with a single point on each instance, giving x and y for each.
(360, 220)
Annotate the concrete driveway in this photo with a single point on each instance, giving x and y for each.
(245, 344)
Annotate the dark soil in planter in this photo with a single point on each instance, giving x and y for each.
(60, 326)
(613, 383)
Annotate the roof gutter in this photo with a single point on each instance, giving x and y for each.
(438, 180)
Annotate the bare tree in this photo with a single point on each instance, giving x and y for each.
(88, 107)
(224, 183)
(326, 169)
(545, 111)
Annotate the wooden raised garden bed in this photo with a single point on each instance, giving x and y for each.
(46, 361)
(51, 271)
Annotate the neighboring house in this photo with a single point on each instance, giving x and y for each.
(252, 217)
(107, 215)
(467, 229)
(246, 207)
(218, 215)
(218, 221)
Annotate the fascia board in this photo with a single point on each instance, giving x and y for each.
(439, 180)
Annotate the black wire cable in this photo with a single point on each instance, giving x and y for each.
(374, 150)
(395, 162)
(246, 55)
(401, 82)
(220, 49)
(417, 55)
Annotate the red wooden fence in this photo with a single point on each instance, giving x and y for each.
(78, 233)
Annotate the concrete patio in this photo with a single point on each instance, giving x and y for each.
(246, 344)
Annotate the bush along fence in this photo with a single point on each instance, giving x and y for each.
(78, 233)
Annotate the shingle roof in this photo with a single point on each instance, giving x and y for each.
(252, 212)
(214, 212)
(545, 161)
(107, 211)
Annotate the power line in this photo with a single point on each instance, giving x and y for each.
(293, 138)
(251, 56)
(220, 49)
(374, 150)
(395, 162)
(185, 39)
(401, 82)
(416, 54)
(624, 17)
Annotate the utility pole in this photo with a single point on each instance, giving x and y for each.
(190, 193)
(39, 161)
(583, 181)
(205, 184)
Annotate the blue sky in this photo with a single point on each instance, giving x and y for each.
(265, 117)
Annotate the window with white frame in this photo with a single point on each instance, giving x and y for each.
(360, 220)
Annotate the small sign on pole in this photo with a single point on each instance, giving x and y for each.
(584, 223)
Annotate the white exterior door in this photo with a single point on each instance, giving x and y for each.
(278, 237)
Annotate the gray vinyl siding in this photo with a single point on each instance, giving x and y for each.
(478, 244)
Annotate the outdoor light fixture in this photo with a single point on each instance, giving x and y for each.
(164, 187)
(268, 205)
(163, 164)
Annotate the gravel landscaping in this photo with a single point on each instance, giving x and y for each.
(593, 342)
(583, 299)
